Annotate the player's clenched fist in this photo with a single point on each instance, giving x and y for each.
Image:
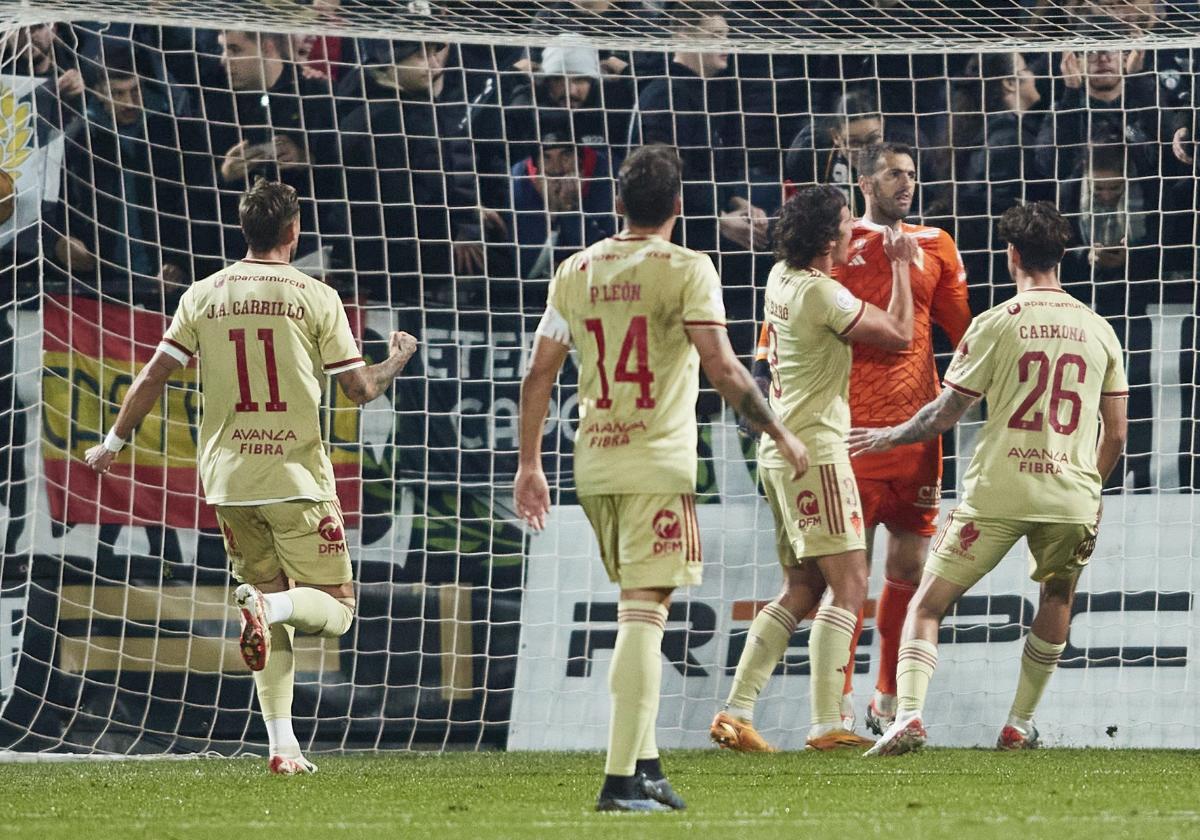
(99, 458)
(403, 345)
(899, 247)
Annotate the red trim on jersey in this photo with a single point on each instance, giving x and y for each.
(1046, 289)
(179, 347)
(704, 323)
(355, 360)
(1114, 393)
(961, 389)
(628, 237)
(264, 262)
(696, 530)
(862, 310)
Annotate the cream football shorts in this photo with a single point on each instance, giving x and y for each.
(968, 547)
(647, 541)
(305, 540)
(818, 515)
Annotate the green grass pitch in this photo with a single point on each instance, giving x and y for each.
(959, 794)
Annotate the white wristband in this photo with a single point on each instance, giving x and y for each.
(113, 443)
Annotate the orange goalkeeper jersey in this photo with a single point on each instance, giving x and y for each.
(887, 388)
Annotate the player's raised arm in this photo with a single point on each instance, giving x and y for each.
(142, 396)
(738, 388)
(891, 329)
(363, 384)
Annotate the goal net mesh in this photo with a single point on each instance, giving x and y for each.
(448, 155)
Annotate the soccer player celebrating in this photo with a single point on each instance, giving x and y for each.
(810, 321)
(1052, 372)
(641, 311)
(275, 332)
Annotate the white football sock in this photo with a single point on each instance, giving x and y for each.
(279, 606)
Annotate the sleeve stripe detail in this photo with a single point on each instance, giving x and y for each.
(961, 389)
(345, 363)
(178, 346)
(862, 310)
(175, 351)
(1114, 393)
(704, 323)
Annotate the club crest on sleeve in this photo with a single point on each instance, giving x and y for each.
(845, 300)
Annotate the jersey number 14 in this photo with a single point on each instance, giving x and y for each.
(637, 345)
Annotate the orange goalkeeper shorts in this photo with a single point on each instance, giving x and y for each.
(902, 489)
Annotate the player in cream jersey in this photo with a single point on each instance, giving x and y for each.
(267, 335)
(811, 320)
(262, 323)
(630, 300)
(645, 316)
(1053, 375)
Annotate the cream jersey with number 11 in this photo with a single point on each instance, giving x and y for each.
(1043, 360)
(625, 304)
(267, 336)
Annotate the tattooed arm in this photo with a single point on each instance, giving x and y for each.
(933, 419)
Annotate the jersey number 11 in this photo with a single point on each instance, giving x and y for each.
(245, 403)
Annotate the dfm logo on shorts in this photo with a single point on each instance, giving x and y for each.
(669, 530)
(330, 530)
(810, 510)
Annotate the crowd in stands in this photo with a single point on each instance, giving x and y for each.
(458, 176)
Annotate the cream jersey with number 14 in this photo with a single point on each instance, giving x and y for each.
(267, 336)
(1043, 360)
(625, 304)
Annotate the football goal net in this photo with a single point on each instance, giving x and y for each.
(448, 155)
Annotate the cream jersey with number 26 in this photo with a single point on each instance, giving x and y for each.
(625, 303)
(1043, 360)
(267, 336)
(808, 315)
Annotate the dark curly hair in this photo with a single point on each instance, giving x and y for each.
(1038, 232)
(808, 223)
